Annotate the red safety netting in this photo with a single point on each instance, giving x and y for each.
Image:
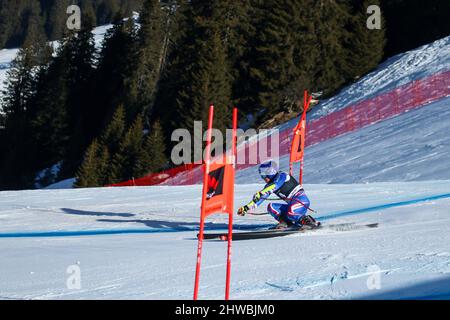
(407, 97)
(161, 177)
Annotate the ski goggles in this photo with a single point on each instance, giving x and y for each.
(267, 172)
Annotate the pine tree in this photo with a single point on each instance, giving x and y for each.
(178, 27)
(93, 167)
(87, 175)
(50, 120)
(61, 105)
(412, 23)
(57, 18)
(116, 67)
(21, 84)
(124, 161)
(277, 58)
(155, 143)
(14, 15)
(14, 21)
(199, 68)
(80, 55)
(365, 47)
(107, 146)
(114, 131)
(2, 127)
(31, 61)
(5, 22)
(14, 171)
(142, 85)
(206, 79)
(107, 11)
(111, 138)
(127, 7)
(243, 18)
(330, 35)
(103, 165)
(36, 39)
(303, 57)
(89, 18)
(152, 157)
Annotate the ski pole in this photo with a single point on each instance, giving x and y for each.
(298, 201)
(257, 213)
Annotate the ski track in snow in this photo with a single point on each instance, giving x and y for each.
(169, 227)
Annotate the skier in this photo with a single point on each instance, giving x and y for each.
(293, 213)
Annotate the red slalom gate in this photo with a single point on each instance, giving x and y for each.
(217, 195)
(298, 140)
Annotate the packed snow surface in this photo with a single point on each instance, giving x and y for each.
(407, 256)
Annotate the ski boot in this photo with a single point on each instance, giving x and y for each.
(281, 225)
(309, 222)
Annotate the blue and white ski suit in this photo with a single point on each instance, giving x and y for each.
(288, 189)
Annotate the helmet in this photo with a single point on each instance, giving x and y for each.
(268, 169)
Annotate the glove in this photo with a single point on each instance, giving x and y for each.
(256, 197)
(243, 210)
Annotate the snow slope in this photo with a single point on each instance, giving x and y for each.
(409, 251)
(414, 146)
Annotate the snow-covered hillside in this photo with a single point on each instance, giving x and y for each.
(414, 146)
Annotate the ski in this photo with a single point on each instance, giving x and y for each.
(258, 234)
(272, 233)
(250, 235)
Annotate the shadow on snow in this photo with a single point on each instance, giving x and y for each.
(438, 289)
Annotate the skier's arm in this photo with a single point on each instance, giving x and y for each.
(261, 196)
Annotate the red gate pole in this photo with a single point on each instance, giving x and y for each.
(306, 103)
(231, 207)
(291, 166)
(202, 217)
(301, 172)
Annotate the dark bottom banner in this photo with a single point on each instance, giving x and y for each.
(189, 310)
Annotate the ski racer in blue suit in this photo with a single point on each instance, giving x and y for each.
(291, 213)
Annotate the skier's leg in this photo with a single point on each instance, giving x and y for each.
(277, 210)
(297, 209)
